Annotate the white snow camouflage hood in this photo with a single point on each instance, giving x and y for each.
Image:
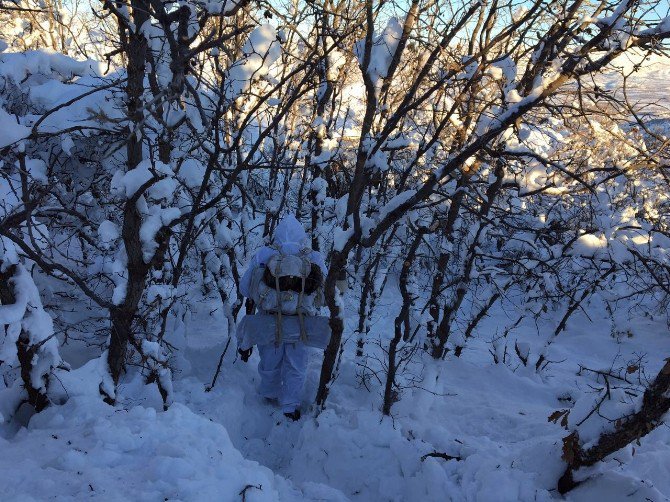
(289, 236)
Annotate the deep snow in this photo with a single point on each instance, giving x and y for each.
(211, 445)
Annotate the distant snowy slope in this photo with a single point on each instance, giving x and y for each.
(649, 83)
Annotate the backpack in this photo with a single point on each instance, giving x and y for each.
(293, 282)
(289, 285)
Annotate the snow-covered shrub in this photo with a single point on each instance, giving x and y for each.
(28, 347)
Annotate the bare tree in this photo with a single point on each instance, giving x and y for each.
(564, 49)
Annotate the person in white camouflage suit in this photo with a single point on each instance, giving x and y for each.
(284, 279)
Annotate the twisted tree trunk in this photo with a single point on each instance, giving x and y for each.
(402, 322)
(655, 404)
(337, 267)
(122, 316)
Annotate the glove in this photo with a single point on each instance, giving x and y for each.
(341, 285)
(245, 354)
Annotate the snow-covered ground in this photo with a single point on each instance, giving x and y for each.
(228, 444)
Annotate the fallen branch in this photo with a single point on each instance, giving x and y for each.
(218, 368)
(243, 493)
(438, 454)
(655, 404)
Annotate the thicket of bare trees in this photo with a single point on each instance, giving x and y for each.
(463, 152)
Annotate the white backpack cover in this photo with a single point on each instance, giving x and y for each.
(270, 299)
(260, 329)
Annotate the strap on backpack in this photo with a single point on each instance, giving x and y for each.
(278, 324)
(299, 309)
(301, 320)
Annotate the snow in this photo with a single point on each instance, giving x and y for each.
(589, 245)
(318, 187)
(67, 145)
(156, 219)
(396, 202)
(163, 189)
(8, 252)
(119, 275)
(494, 72)
(47, 80)
(20, 66)
(37, 169)
(127, 184)
(647, 82)
(159, 47)
(192, 173)
(221, 6)
(491, 416)
(213, 444)
(473, 427)
(108, 232)
(88, 449)
(154, 216)
(223, 236)
(11, 130)
(341, 236)
(260, 51)
(382, 51)
(27, 319)
(336, 60)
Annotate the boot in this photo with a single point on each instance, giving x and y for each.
(295, 415)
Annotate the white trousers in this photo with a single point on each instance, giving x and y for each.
(283, 370)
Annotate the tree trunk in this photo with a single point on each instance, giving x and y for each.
(122, 316)
(401, 323)
(118, 343)
(433, 334)
(655, 404)
(337, 266)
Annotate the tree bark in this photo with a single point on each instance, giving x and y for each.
(401, 323)
(122, 316)
(337, 266)
(655, 404)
